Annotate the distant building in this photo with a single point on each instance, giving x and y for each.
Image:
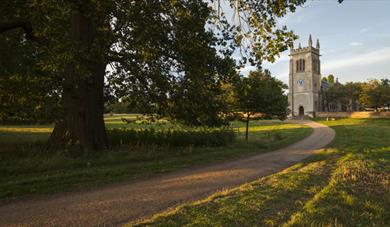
(335, 106)
(324, 85)
(326, 105)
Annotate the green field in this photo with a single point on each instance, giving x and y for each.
(26, 167)
(346, 185)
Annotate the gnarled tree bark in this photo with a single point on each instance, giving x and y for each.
(82, 98)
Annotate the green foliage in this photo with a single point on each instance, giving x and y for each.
(118, 108)
(262, 93)
(171, 137)
(197, 97)
(191, 93)
(371, 94)
(375, 94)
(27, 93)
(331, 79)
(256, 33)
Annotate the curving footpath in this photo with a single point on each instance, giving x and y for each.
(130, 202)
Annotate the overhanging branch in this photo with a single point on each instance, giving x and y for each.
(27, 28)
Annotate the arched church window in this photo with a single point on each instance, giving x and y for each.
(300, 65)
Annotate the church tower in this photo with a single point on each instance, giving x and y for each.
(305, 80)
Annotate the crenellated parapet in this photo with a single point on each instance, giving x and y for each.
(304, 50)
(308, 49)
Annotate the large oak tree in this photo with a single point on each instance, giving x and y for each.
(78, 39)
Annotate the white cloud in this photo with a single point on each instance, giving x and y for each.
(369, 58)
(363, 30)
(355, 44)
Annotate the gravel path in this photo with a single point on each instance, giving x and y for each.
(128, 202)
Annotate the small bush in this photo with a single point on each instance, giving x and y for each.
(171, 137)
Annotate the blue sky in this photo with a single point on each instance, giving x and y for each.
(354, 38)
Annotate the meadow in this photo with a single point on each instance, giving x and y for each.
(348, 184)
(28, 168)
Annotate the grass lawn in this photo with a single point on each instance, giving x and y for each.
(345, 185)
(26, 168)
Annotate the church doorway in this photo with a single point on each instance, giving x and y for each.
(301, 111)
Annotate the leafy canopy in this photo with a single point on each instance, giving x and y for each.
(262, 93)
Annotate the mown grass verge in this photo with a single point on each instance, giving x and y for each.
(28, 169)
(346, 185)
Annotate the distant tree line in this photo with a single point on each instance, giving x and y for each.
(373, 94)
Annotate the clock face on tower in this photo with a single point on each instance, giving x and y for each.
(301, 82)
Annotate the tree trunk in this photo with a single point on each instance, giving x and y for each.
(247, 127)
(82, 97)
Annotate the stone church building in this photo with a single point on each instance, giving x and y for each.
(305, 80)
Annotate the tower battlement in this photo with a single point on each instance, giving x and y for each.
(304, 50)
(309, 48)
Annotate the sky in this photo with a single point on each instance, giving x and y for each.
(354, 38)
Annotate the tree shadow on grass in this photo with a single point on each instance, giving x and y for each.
(265, 202)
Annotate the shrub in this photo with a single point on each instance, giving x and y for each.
(171, 137)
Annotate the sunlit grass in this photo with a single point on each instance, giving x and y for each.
(12, 137)
(275, 126)
(26, 129)
(118, 117)
(346, 185)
